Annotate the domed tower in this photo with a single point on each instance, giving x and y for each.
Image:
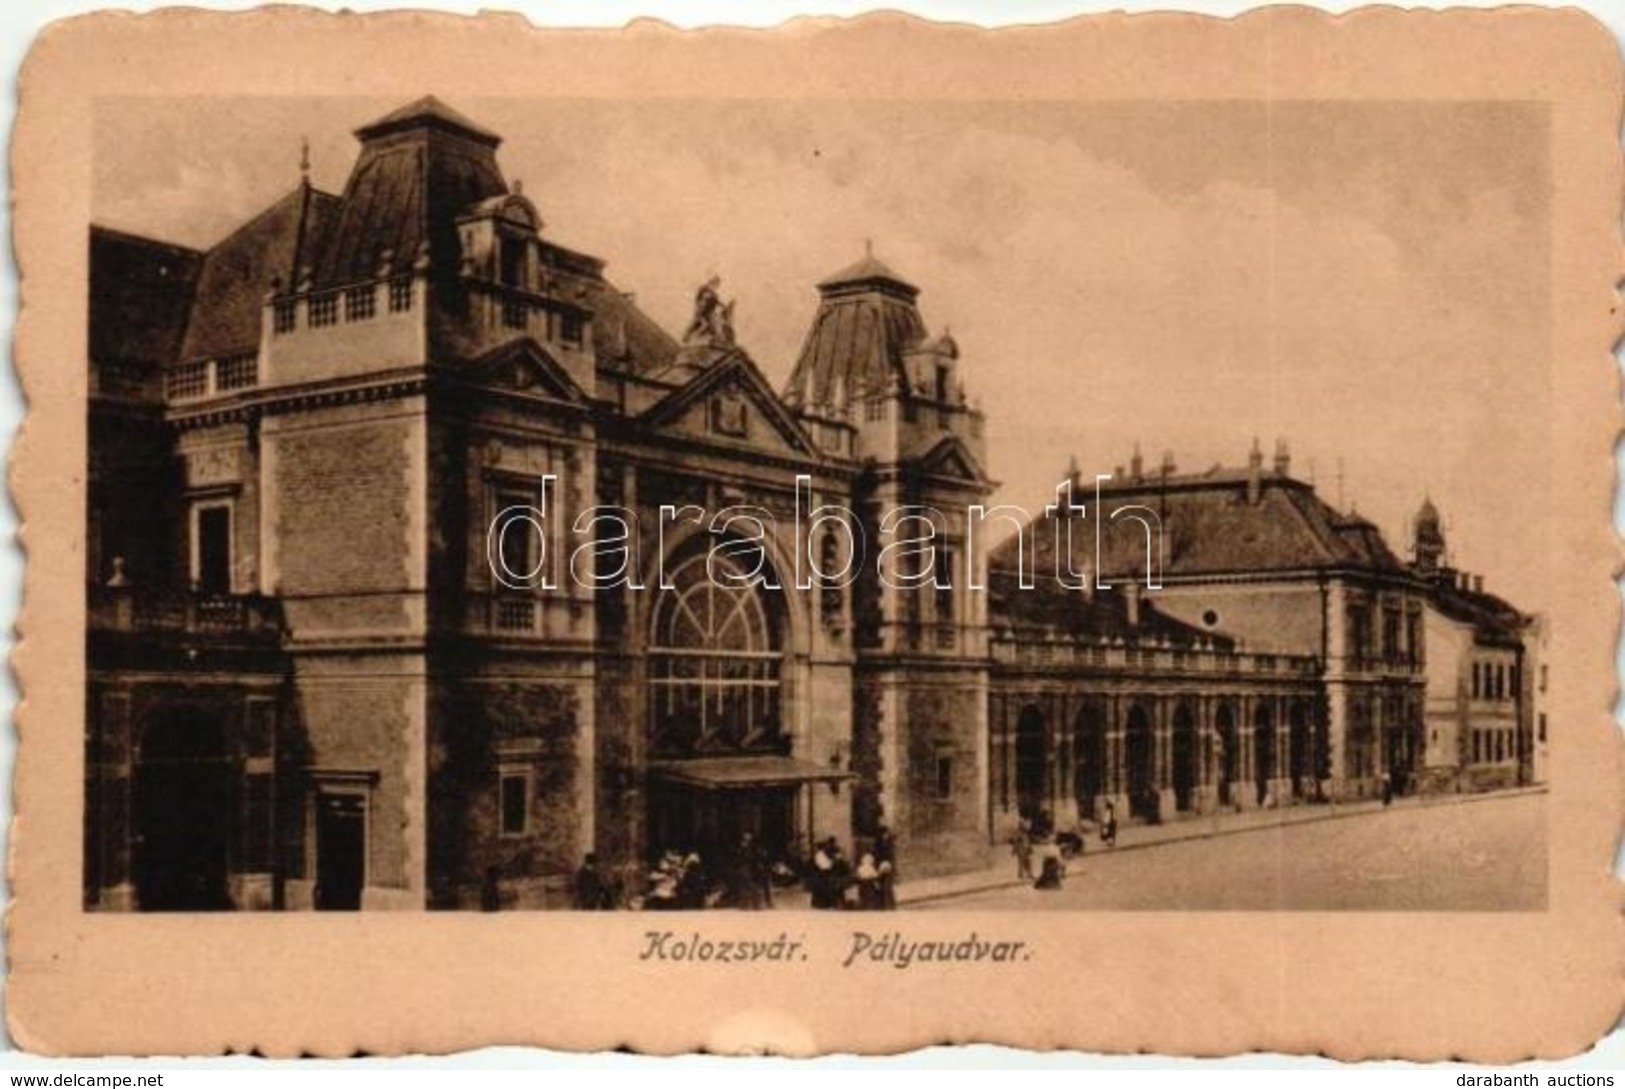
(1429, 540)
(919, 739)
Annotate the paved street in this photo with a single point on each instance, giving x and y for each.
(1475, 855)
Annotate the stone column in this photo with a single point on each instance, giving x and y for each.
(1162, 730)
(1116, 781)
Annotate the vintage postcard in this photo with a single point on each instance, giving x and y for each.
(845, 537)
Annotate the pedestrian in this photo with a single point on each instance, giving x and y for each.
(886, 863)
(491, 889)
(821, 881)
(1021, 845)
(840, 876)
(1049, 877)
(692, 885)
(747, 877)
(867, 876)
(1108, 826)
(589, 885)
(1387, 789)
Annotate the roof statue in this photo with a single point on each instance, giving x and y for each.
(713, 324)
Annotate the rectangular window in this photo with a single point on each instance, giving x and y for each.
(515, 801)
(1359, 636)
(211, 548)
(572, 329)
(945, 588)
(360, 303)
(513, 261)
(945, 777)
(516, 523)
(1541, 719)
(514, 313)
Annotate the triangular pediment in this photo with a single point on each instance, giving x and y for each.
(952, 458)
(524, 366)
(731, 402)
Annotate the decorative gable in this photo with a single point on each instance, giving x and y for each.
(731, 402)
(951, 458)
(524, 366)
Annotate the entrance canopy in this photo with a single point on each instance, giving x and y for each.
(744, 772)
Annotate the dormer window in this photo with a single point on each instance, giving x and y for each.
(511, 258)
(571, 329)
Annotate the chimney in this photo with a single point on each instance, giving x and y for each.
(1136, 465)
(1167, 463)
(1478, 584)
(1131, 603)
(1255, 469)
(1283, 458)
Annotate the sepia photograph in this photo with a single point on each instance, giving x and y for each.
(476, 521)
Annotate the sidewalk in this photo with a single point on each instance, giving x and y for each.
(1000, 873)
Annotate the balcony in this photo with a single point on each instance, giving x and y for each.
(206, 378)
(146, 611)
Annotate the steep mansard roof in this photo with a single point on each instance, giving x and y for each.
(1209, 527)
(428, 111)
(268, 250)
(416, 174)
(420, 168)
(140, 297)
(1495, 621)
(866, 320)
(1097, 617)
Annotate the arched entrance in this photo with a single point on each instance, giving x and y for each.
(1030, 763)
(1139, 760)
(1185, 756)
(182, 812)
(715, 665)
(1229, 753)
(1090, 780)
(1264, 749)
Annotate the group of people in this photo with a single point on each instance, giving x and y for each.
(1036, 841)
(746, 879)
(836, 884)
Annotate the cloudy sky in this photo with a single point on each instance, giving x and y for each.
(1368, 281)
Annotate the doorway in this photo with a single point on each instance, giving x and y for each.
(183, 813)
(1091, 756)
(1140, 754)
(1300, 748)
(341, 850)
(1264, 749)
(1186, 769)
(1030, 763)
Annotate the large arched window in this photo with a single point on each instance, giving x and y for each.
(714, 662)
